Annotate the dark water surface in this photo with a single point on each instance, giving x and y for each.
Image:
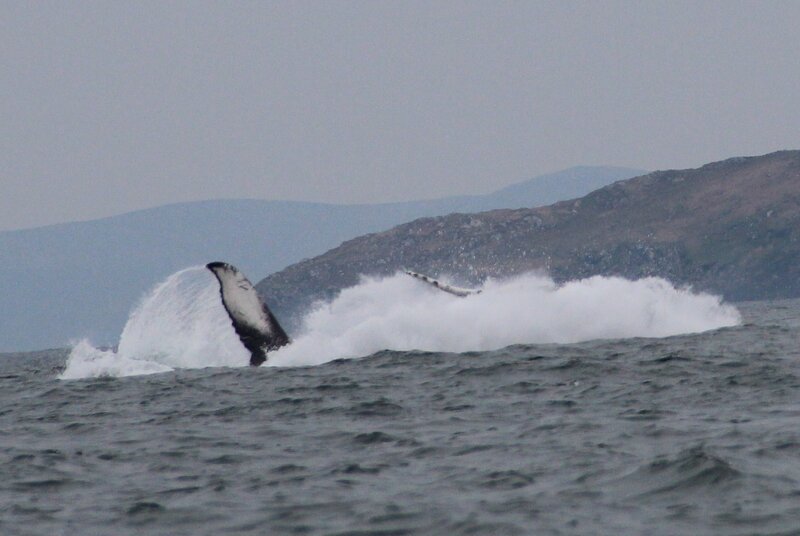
(691, 435)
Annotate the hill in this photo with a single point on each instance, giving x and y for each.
(730, 227)
(81, 279)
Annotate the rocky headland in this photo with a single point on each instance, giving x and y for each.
(730, 227)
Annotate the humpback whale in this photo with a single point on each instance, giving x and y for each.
(256, 326)
(456, 291)
(254, 323)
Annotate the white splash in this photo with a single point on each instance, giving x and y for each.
(181, 323)
(399, 313)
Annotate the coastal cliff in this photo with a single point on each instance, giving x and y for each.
(730, 227)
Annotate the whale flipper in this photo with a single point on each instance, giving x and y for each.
(257, 327)
(456, 291)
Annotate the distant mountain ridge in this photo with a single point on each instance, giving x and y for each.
(67, 281)
(730, 227)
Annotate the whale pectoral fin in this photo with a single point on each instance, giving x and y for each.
(256, 326)
(450, 289)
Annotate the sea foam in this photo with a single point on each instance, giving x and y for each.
(181, 323)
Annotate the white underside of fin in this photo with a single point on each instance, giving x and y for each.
(241, 300)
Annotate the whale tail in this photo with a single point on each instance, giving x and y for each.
(254, 323)
(456, 291)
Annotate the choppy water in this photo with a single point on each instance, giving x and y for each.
(692, 434)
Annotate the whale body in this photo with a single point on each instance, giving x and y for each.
(256, 326)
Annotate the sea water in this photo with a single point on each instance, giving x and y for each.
(598, 407)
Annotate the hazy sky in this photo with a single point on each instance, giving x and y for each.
(107, 107)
